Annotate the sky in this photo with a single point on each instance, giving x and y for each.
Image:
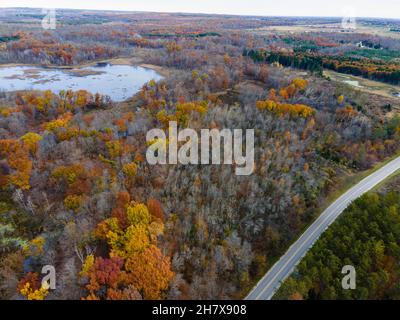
(336, 8)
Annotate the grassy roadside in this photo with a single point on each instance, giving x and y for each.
(345, 184)
(349, 181)
(386, 181)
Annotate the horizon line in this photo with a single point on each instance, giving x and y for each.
(202, 13)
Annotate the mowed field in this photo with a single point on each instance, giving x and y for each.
(361, 28)
(365, 85)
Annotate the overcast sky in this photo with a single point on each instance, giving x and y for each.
(338, 8)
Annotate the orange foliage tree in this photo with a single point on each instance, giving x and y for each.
(17, 155)
(136, 263)
(31, 288)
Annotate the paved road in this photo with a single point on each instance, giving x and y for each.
(267, 286)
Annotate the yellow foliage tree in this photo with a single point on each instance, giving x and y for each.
(130, 169)
(69, 173)
(31, 141)
(299, 83)
(113, 148)
(32, 294)
(145, 268)
(138, 214)
(280, 109)
(31, 288)
(182, 113)
(87, 265)
(34, 247)
(61, 122)
(73, 202)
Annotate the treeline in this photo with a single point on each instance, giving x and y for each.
(367, 68)
(183, 35)
(370, 44)
(9, 38)
(46, 51)
(311, 63)
(366, 237)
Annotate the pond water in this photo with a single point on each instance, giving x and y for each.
(120, 82)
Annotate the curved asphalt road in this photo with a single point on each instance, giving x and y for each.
(267, 286)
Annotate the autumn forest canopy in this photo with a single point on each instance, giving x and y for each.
(77, 192)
